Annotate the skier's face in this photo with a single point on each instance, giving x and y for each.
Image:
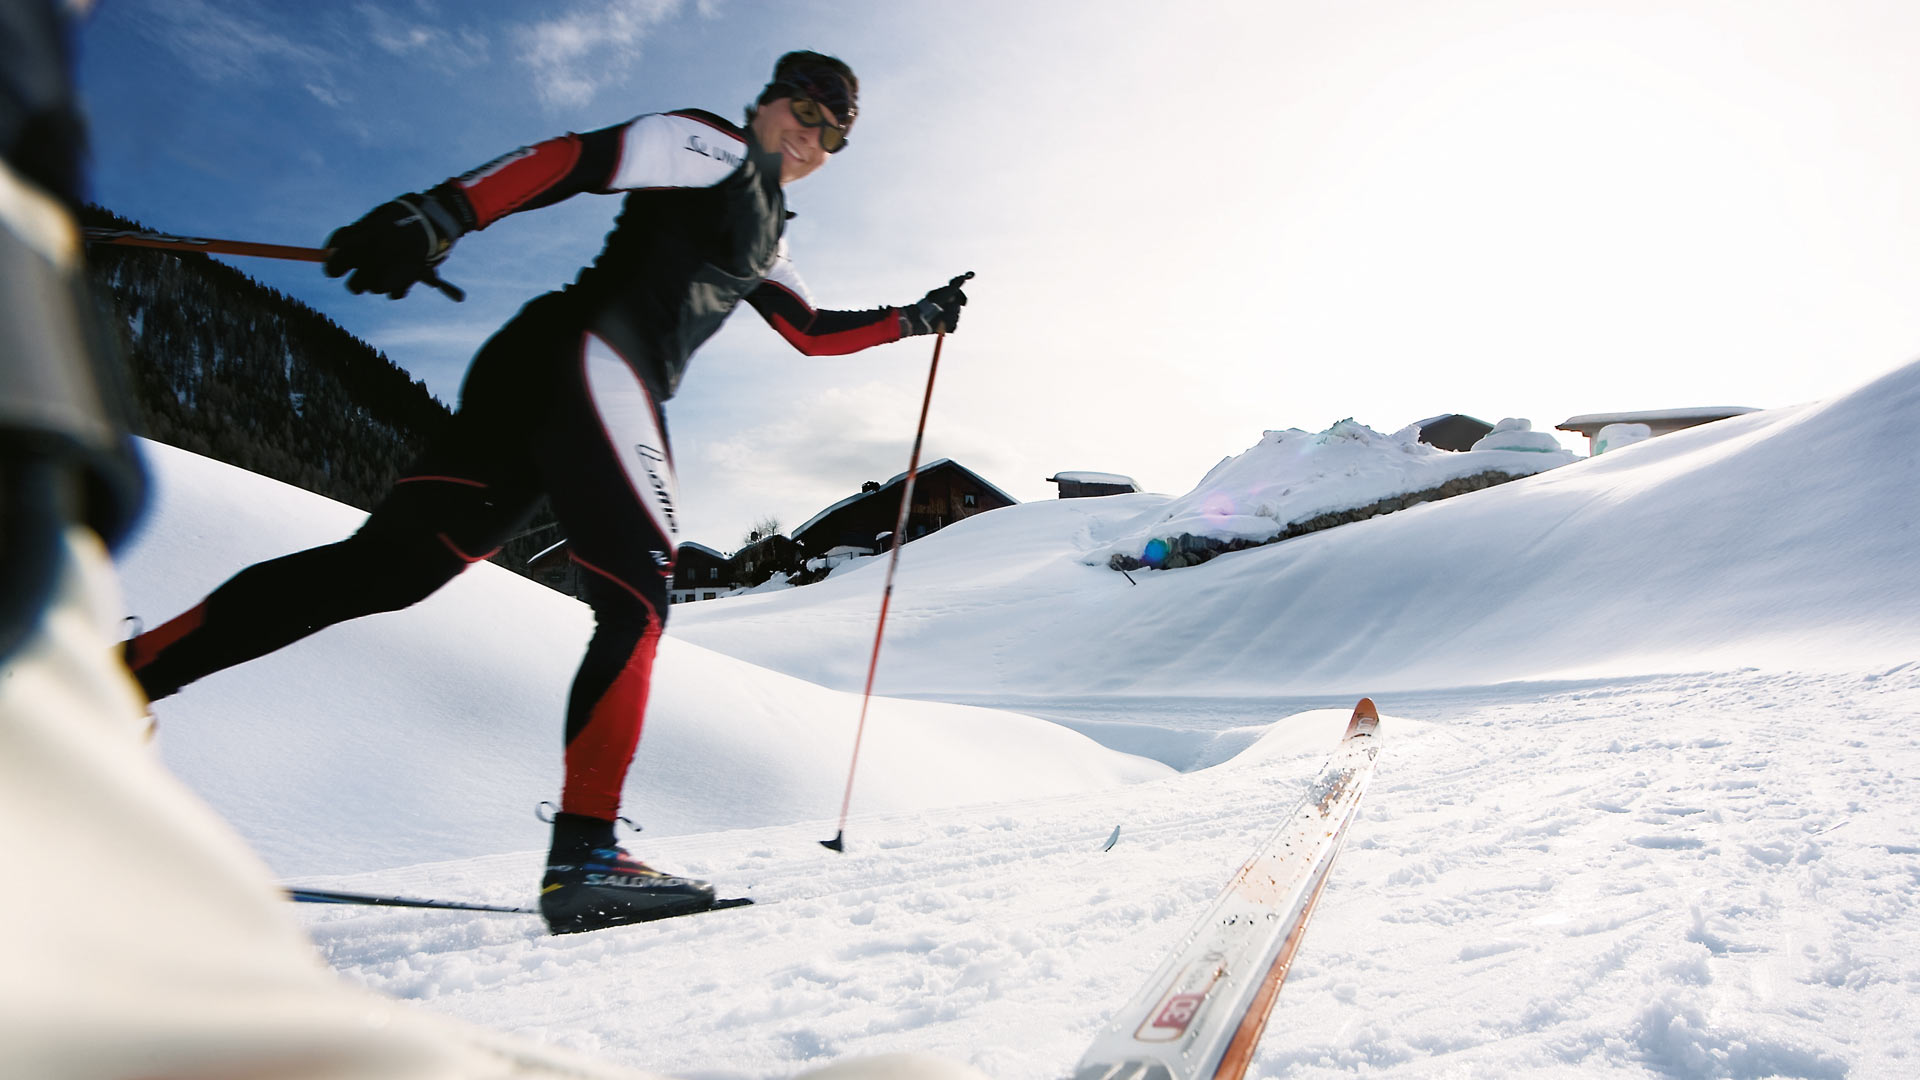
(779, 131)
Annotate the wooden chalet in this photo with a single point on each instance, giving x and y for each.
(699, 573)
(944, 492)
(1090, 485)
(754, 564)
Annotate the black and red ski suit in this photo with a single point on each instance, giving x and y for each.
(562, 402)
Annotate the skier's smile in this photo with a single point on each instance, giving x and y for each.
(777, 128)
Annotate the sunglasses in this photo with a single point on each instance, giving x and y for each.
(833, 137)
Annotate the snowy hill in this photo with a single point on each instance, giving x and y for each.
(1644, 803)
(432, 733)
(1780, 537)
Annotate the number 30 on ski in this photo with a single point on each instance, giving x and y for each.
(1201, 1014)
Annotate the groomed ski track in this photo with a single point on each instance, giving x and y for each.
(1676, 875)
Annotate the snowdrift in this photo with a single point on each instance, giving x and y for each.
(1711, 547)
(432, 733)
(1292, 482)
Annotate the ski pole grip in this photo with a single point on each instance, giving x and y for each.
(453, 292)
(954, 284)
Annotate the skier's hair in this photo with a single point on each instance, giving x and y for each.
(801, 68)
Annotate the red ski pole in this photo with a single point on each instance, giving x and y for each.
(209, 246)
(838, 843)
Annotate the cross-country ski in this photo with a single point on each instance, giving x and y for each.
(1201, 1015)
(300, 895)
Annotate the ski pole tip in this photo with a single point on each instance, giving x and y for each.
(838, 843)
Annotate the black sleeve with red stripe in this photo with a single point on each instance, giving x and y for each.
(820, 331)
(535, 176)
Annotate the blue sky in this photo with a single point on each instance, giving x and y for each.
(1191, 222)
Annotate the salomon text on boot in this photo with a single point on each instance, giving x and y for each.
(592, 882)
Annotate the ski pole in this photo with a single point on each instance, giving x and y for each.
(209, 246)
(838, 843)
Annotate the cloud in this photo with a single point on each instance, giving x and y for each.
(573, 56)
(459, 337)
(445, 48)
(230, 45)
(325, 95)
(226, 45)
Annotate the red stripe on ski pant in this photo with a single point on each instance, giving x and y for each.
(598, 757)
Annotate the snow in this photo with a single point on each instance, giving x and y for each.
(434, 732)
(1700, 413)
(1615, 436)
(1292, 476)
(1084, 477)
(1644, 804)
(1518, 435)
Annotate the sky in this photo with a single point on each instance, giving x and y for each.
(1189, 225)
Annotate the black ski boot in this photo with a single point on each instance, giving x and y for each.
(593, 883)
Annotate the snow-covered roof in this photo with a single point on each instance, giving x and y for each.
(1082, 476)
(1445, 415)
(984, 482)
(815, 519)
(702, 547)
(928, 467)
(1648, 416)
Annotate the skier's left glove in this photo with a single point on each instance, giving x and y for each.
(396, 244)
(938, 309)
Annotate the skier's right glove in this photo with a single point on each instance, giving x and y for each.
(397, 244)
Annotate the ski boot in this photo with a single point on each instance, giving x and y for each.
(592, 882)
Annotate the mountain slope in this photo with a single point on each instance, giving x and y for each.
(1710, 547)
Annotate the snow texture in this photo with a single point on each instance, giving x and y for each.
(1085, 477)
(1615, 436)
(1644, 805)
(1291, 476)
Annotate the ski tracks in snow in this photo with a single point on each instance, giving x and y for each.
(1711, 875)
(1653, 878)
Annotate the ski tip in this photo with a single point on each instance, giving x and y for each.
(1365, 718)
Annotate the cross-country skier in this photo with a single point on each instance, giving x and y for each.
(565, 402)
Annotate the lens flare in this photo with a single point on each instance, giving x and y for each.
(1156, 553)
(1218, 506)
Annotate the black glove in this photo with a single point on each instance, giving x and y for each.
(395, 245)
(936, 310)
